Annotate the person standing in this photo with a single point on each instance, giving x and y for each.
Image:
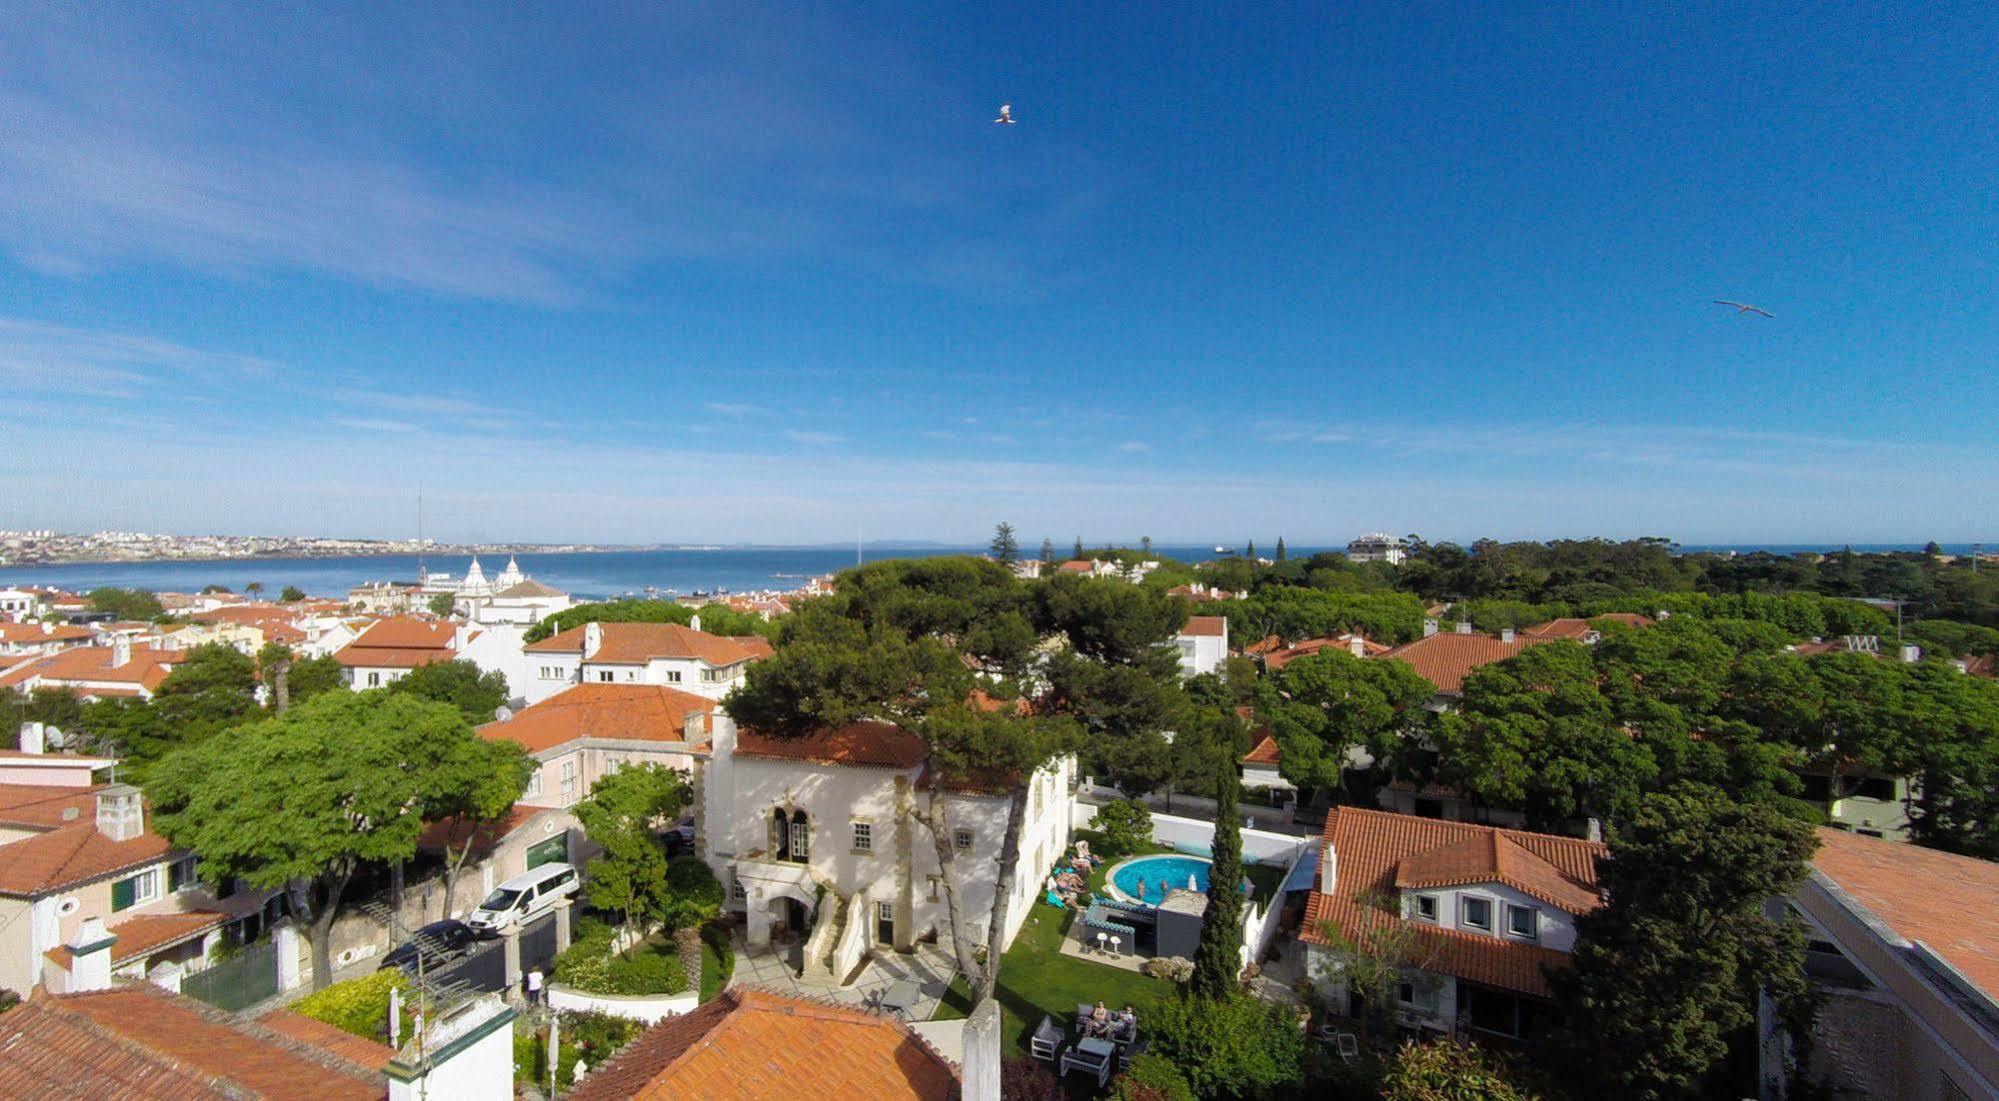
(534, 987)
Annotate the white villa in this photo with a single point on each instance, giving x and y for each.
(668, 654)
(512, 597)
(819, 838)
(1490, 908)
(1204, 644)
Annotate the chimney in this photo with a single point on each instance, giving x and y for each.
(1464, 627)
(593, 640)
(121, 650)
(1357, 646)
(981, 1068)
(48, 628)
(695, 732)
(1912, 653)
(90, 957)
(695, 622)
(468, 1051)
(34, 738)
(1506, 634)
(120, 814)
(1429, 627)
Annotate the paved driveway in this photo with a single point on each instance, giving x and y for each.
(485, 967)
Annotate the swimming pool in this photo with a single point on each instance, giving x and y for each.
(1143, 878)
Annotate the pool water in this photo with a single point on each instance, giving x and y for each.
(1146, 878)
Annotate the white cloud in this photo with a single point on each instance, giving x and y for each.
(814, 439)
(1134, 446)
(48, 357)
(372, 425)
(731, 408)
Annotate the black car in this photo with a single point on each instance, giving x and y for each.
(434, 944)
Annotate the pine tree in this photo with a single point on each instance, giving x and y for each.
(1280, 548)
(1079, 549)
(1218, 957)
(1145, 544)
(1005, 547)
(1048, 552)
(1251, 552)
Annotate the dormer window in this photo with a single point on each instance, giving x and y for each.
(1426, 908)
(1523, 922)
(1475, 913)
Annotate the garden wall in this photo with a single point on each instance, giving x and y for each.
(637, 1007)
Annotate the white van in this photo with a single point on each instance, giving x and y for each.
(522, 897)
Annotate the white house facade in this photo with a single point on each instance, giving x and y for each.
(825, 839)
(669, 654)
(1203, 644)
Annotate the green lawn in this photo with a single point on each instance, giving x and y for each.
(1036, 979)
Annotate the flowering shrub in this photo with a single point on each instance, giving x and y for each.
(359, 1006)
(1176, 968)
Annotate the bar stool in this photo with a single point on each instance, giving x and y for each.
(1115, 941)
(1101, 937)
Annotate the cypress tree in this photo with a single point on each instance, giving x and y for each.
(1218, 958)
(1079, 549)
(1048, 552)
(1280, 548)
(1251, 552)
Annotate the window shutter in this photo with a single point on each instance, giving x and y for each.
(121, 895)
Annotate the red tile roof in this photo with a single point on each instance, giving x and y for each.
(865, 744)
(1939, 898)
(1444, 659)
(76, 853)
(1492, 857)
(146, 669)
(42, 806)
(638, 643)
(628, 712)
(1566, 627)
(142, 933)
(756, 1044)
(455, 832)
(1369, 849)
(335, 1041)
(401, 642)
(1266, 752)
(1206, 626)
(31, 633)
(1078, 565)
(1277, 657)
(140, 1043)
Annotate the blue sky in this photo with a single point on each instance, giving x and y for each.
(670, 274)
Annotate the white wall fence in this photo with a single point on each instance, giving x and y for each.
(638, 1007)
(1195, 837)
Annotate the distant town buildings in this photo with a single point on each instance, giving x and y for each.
(1377, 546)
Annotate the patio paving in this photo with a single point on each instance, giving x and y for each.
(930, 966)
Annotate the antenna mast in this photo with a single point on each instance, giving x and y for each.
(422, 574)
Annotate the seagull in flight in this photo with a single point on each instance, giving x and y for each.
(1741, 309)
(1006, 115)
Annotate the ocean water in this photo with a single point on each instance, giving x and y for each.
(584, 575)
(603, 574)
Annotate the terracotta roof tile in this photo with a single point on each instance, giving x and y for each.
(40, 806)
(628, 712)
(1444, 659)
(400, 642)
(140, 1043)
(1935, 897)
(1266, 752)
(327, 1038)
(1492, 857)
(862, 744)
(484, 835)
(638, 643)
(1277, 657)
(1369, 849)
(75, 853)
(31, 633)
(1206, 626)
(146, 669)
(144, 933)
(756, 1044)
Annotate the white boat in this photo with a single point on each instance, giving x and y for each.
(1221, 550)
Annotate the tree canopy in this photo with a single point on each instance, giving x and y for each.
(1667, 974)
(304, 799)
(716, 619)
(476, 695)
